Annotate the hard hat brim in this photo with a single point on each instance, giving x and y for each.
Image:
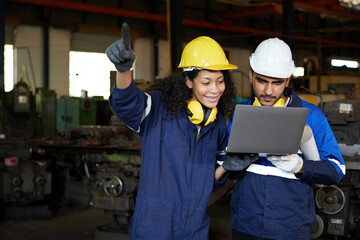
(214, 67)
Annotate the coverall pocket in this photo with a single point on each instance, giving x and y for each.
(174, 150)
(155, 222)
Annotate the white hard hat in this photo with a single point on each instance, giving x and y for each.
(272, 58)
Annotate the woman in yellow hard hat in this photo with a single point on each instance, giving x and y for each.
(182, 123)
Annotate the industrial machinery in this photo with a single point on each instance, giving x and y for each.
(108, 158)
(338, 207)
(26, 182)
(28, 114)
(114, 188)
(66, 154)
(72, 111)
(344, 119)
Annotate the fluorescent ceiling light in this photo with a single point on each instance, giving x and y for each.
(347, 63)
(355, 4)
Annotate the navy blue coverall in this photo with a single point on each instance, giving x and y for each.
(177, 167)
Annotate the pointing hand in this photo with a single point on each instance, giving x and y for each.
(120, 53)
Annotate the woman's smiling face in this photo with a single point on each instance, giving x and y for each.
(207, 87)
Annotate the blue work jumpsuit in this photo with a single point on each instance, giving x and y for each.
(271, 203)
(177, 167)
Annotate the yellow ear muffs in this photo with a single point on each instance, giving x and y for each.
(256, 102)
(199, 114)
(279, 103)
(210, 116)
(195, 111)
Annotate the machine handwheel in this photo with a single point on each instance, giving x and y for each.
(318, 227)
(330, 199)
(113, 186)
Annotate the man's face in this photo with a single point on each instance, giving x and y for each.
(267, 89)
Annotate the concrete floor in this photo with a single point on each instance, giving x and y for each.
(81, 225)
(220, 214)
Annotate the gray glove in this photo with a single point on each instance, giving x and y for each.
(239, 161)
(120, 53)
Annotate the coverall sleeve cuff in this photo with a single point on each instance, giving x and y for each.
(305, 166)
(322, 172)
(124, 93)
(222, 180)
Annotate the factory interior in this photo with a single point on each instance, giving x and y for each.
(69, 167)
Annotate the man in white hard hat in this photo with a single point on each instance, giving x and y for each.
(273, 198)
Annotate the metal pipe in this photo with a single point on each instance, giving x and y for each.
(168, 28)
(154, 9)
(46, 59)
(2, 46)
(288, 21)
(2, 68)
(176, 29)
(319, 62)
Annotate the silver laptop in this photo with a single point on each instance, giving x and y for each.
(262, 129)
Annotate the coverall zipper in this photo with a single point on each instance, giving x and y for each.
(197, 134)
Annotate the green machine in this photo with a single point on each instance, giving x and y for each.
(25, 115)
(19, 112)
(45, 108)
(73, 111)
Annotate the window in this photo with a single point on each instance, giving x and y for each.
(9, 67)
(89, 72)
(298, 72)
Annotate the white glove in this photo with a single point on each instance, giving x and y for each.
(289, 163)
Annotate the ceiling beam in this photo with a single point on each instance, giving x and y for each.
(254, 11)
(85, 7)
(311, 7)
(308, 6)
(92, 8)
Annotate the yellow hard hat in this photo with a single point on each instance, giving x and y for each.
(204, 52)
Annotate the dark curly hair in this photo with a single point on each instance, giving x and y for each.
(175, 93)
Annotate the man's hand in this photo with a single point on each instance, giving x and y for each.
(238, 161)
(290, 163)
(120, 53)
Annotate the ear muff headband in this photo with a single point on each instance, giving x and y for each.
(199, 114)
(279, 103)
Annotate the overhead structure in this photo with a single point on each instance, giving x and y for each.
(325, 9)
